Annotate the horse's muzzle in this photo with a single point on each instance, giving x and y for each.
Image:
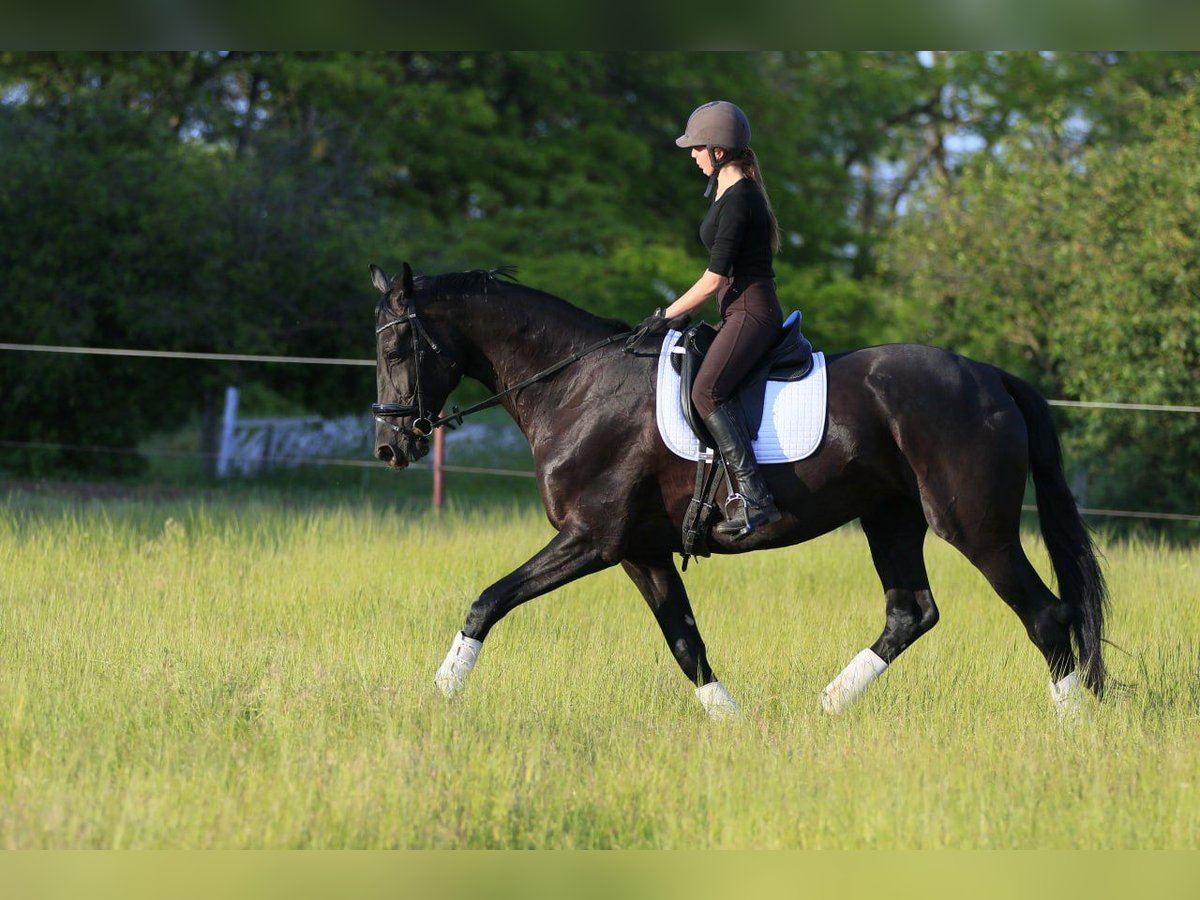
(399, 444)
(387, 453)
(406, 451)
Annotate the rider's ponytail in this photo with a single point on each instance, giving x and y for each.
(745, 160)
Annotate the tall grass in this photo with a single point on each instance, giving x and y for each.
(252, 675)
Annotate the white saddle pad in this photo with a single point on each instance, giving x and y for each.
(793, 413)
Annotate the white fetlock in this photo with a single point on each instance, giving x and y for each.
(1067, 696)
(717, 702)
(853, 680)
(451, 677)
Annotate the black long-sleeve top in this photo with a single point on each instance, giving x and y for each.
(737, 232)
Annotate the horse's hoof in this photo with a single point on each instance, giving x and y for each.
(852, 681)
(450, 684)
(1067, 696)
(451, 677)
(717, 703)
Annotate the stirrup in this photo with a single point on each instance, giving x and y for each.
(743, 521)
(733, 498)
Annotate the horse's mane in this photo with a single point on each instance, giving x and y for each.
(470, 282)
(502, 279)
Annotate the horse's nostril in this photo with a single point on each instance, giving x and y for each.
(384, 453)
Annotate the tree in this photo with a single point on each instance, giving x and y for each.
(1078, 270)
(234, 199)
(114, 233)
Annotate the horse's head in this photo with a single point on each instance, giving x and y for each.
(415, 372)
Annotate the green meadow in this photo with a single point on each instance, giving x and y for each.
(252, 673)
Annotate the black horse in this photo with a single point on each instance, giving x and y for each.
(916, 438)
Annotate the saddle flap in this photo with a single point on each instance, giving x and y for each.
(694, 342)
(686, 356)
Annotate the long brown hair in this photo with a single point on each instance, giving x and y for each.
(745, 160)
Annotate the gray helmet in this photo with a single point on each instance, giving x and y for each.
(716, 124)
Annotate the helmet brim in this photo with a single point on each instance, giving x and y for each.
(685, 141)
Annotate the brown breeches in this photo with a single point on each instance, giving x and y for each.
(750, 323)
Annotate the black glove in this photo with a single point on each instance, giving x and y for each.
(655, 324)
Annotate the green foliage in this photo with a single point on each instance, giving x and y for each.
(840, 312)
(1134, 314)
(1078, 270)
(230, 202)
(115, 234)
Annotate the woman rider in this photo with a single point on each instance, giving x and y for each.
(741, 234)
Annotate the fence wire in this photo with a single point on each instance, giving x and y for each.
(478, 470)
(292, 461)
(335, 361)
(180, 354)
(470, 470)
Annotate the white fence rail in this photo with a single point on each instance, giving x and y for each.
(251, 446)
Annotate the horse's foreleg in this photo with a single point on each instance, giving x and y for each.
(570, 555)
(667, 598)
(896, 538)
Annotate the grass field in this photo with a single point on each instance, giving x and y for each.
(228, 674)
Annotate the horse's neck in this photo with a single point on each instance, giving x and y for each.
(510, 338)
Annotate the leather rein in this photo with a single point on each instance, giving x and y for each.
(423, 426)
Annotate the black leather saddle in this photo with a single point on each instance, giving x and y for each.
(789, 360)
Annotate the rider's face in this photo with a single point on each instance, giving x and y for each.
(700, 155)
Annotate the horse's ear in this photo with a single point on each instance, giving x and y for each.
(406, 278)
(379, 279)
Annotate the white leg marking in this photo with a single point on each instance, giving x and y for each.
(849, 685)
(717, 702)
(451, 677)
(1067, 696)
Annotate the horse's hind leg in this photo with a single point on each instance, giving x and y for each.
(896, 536)
(667, 598)
(982, 519)
(1047, 619)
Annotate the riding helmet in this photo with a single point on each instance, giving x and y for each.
(718, 123)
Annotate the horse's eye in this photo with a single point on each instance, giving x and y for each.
(392, 356)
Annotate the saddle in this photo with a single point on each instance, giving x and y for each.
(790, 359)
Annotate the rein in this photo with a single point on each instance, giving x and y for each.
(423, 425)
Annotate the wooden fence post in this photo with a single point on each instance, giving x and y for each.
(439, 460)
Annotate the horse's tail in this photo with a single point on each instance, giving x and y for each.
(1072, 551)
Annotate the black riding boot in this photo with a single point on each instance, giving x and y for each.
(755, 507)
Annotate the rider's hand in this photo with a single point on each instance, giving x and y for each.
(655, 324)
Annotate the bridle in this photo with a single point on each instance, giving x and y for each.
(423, 425)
